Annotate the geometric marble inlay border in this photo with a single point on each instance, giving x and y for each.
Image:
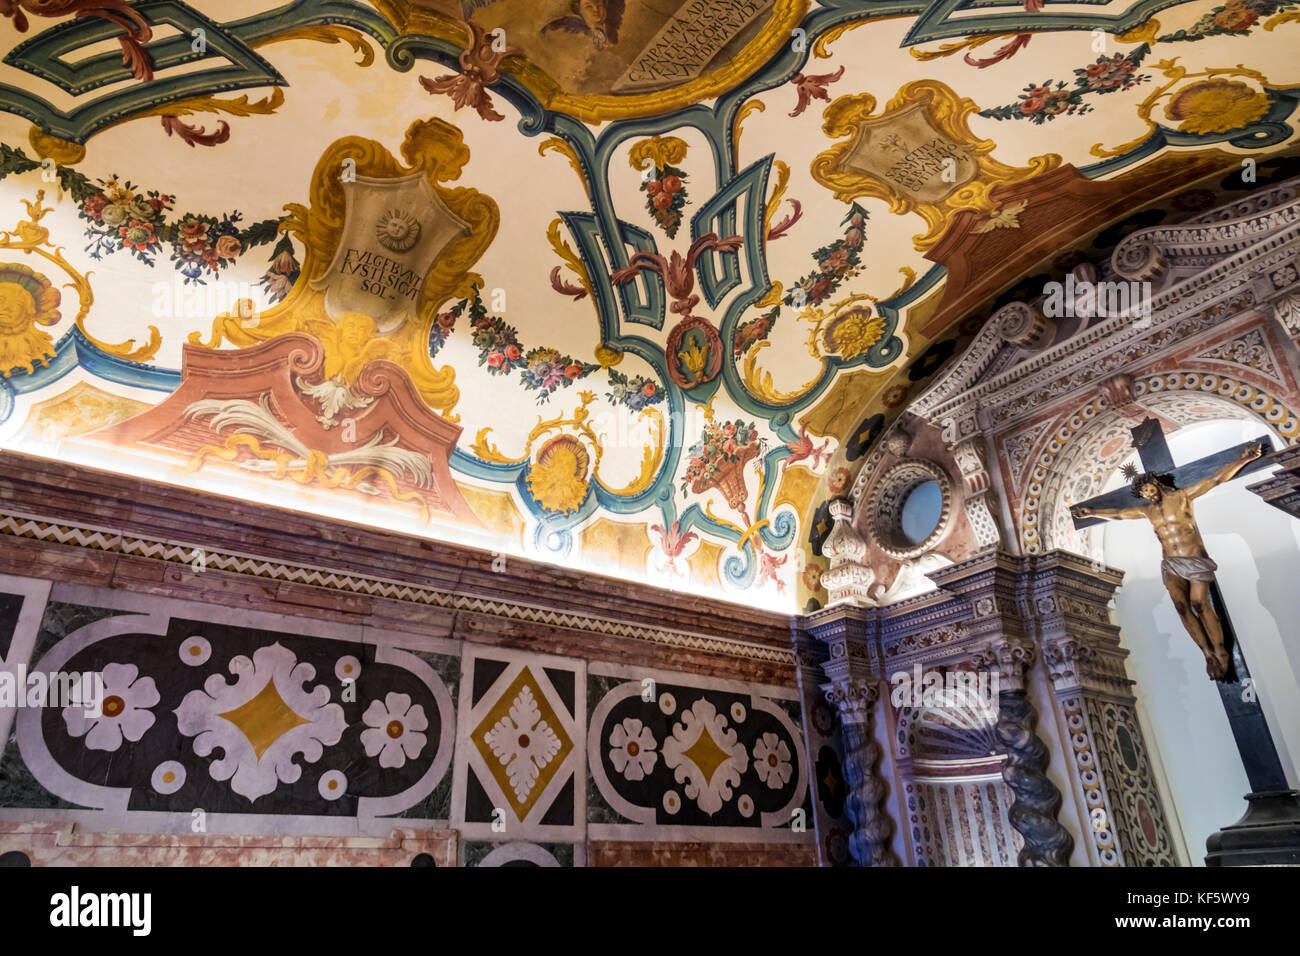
(25, 526)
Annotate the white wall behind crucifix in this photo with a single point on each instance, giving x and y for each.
(1257, 548)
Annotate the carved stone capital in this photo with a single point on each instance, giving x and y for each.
(1011, 658)
(853, 698)
(1074, 664)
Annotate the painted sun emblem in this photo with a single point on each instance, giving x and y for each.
(397, 230)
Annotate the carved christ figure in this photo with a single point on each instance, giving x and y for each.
(1187, 569)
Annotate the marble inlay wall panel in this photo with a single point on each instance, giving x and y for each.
(225, 721)
(221, 726)
(690, 758)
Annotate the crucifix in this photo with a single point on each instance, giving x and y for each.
(1163, 494)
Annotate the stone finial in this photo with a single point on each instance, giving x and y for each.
(847, 579)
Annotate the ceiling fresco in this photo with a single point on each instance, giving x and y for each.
(624, 286)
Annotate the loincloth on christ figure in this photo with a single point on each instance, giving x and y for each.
(1190, 569)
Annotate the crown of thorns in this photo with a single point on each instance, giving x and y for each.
(1136, 480)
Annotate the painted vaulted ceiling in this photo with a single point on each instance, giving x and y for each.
(623, 285)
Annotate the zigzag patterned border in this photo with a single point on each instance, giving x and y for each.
(40, 529)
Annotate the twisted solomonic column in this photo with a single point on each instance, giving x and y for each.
(1037, 801)
(869, 843)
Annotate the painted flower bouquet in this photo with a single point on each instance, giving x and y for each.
(546, 370)
(665, 197)
(718, 460)
(120, 217)
(635, 393)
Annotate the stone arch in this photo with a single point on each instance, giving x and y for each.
(1056, 477)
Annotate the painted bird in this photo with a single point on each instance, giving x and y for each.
(803, 447)
(598, 19)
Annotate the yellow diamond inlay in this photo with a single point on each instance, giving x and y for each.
(706, 754)
(500, 770)
(264, 719)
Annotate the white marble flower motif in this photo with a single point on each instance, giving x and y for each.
(706, 756)
(772, 761)
(393, 730)
(124, 710)
(262, 721)
(634, 749)
(523, 742)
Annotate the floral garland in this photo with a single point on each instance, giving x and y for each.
(1041, 102)
(633, 393)
(542, 370)
(721, 445)
(835, 262)
(665, 197)
(1235, 17)
(120, 216)
(754, 331)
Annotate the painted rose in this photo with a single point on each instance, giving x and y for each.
(1235, 15)
(653, 186)
(495, 359)
(114, 214)
(446, 320)
(394, 730)
(836, 261)
(194, 236)
(729, 429)
(648, 389)
(228, 247)
(672, 184)
(124, 709)
(573, 371)
(93, 207)
(663, 201)
(512, 352)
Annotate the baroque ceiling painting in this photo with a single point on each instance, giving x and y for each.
(628, 287)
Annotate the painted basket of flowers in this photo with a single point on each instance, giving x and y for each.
(718, 461)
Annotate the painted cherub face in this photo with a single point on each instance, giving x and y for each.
(355, 330)
(17, 310)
